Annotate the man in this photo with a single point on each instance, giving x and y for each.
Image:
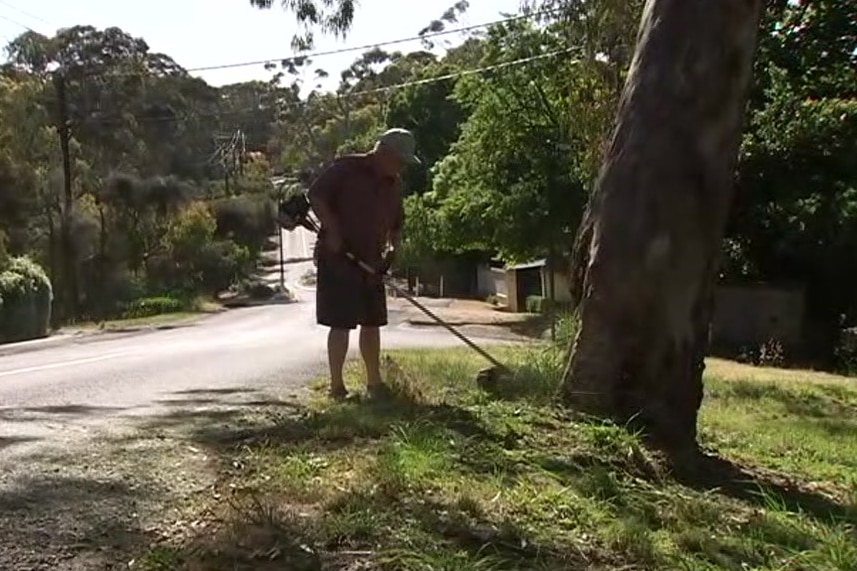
(358, 200)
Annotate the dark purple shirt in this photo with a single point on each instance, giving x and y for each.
(366, 205)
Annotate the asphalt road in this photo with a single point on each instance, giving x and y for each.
(62, 393)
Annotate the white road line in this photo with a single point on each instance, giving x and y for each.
(66, 363)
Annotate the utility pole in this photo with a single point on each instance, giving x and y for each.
(68, 254)
(279, 196)
(552, 291)
(242, 156)
(282, 260)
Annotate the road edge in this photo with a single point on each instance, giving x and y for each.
(91, 335)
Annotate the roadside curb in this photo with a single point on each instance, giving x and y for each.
(69, 339)
(38, 344)
(95, 334)
(258, 303)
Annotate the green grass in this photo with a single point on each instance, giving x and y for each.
(449, 478)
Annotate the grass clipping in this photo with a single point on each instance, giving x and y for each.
(449, 478)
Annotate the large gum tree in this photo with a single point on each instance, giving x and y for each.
(655, 222)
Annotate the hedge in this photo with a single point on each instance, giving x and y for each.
(151, 306)
(25, 301)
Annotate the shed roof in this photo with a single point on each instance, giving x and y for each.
(528, 265)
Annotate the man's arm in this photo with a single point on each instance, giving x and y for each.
(321, 194)
(399, 219)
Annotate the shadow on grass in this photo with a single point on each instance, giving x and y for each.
(709, 472)
(260, 536)
(830, 408)
(817, 401)
(339, 424)
(446, 530)
(342, 424)
(266, 536)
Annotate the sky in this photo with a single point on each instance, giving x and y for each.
(202, 33)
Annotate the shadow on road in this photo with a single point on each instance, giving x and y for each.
(224, 391)
(31, 413)
(96, 506)
(54, 521)
(7, 441)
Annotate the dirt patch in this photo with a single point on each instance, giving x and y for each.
(460, 312)
(96, 505)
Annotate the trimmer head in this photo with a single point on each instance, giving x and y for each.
(294, 211)
(487, 379)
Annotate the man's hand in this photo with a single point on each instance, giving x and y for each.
(389, 260)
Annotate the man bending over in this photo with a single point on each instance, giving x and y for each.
(358, 200)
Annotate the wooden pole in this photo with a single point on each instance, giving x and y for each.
(68, 255)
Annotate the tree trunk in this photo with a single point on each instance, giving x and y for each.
(657, 218)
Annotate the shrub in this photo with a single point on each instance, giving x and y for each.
(25, 301)
(190, 232)
(150, 306)
(257, 290)
(567, 326)
(193, 260)
(222, 264)
(246, 220)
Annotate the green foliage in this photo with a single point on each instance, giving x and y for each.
(567, 327)
(330, 16)
(25, 301)
(190, 231)
(516, 180)
(795, 216)
(193, 259)
(434, 115)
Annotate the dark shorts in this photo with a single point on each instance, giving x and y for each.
(346, 296)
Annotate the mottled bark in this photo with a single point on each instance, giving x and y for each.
(658, 215)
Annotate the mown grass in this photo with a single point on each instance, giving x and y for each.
(450, 478)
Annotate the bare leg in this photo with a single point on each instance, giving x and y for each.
(337, 349)
(370, 350)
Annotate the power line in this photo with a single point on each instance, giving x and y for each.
(24, 12)
(11, 21)
(364, 47)
(457, 74)
(348, 95)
